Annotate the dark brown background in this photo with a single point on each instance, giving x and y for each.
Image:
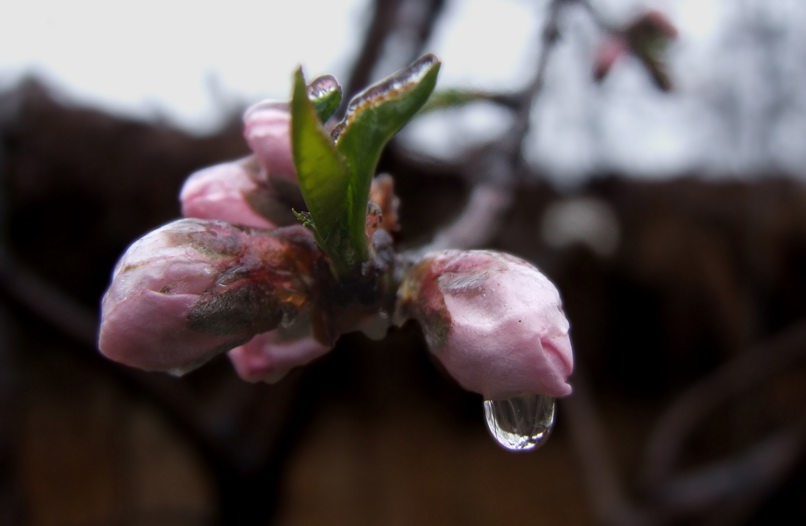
(689, 340)
(374, 433)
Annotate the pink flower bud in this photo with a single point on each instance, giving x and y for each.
(610, 50)
(229, 192)
(267, 129)
(648, 37)
(494, 322)
(193, 289)
(268, 357)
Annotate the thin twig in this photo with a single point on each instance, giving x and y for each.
(383, 18)
(385, 24)
(11, 501)
(11, 508)
(499, 170)
(737, 485)
(597, 17)
(611, 506)
(703, 398)
(43, 300)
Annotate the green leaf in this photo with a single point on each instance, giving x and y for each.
(323, 180)
(335, 170)
(373, 117)
(452, 98)
(325, 93)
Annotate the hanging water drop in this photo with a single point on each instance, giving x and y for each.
(521, 423)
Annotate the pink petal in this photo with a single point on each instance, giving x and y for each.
(267, 129)
(268, 358)
(225, 192)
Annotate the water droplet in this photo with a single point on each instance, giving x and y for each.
(268, 105)
(322, 86)
(395, 86)
(521, 423)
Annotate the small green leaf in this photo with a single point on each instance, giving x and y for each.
(373, 117)
(304, 218)
(325, 93)
(323, 180)
(335, 170)
(452, 98)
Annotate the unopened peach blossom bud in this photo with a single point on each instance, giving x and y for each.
(494, 321)
(267, 129)
(193, 289)
(232, 192)
(648, 37)
(268, 357)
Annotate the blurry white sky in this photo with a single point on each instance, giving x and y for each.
(176, 57)
(192, 62)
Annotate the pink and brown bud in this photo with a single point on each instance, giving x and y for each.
(646, 38)
(235, 192)
(267, 129)
(609, 52)
(494, 321)
(269, 356)
(193, 289)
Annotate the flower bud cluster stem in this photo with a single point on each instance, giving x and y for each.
(233, 276)
(364, 296)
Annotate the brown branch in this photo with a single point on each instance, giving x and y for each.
(703, 398)
(432, 10)
(500, 168)
(380, 26)
(734, 487)
(604, 486)
(11, 500)
(40, 298)
(481, 217)
(597, 17)
(386, 23)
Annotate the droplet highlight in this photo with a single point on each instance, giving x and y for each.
(521, 423)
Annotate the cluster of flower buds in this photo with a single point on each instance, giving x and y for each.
(226, 278)
(236, 275)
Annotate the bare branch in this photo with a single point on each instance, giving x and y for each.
(603, 483)
(702, 399)
(385, 24)
(736, 486)
(499, 170)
